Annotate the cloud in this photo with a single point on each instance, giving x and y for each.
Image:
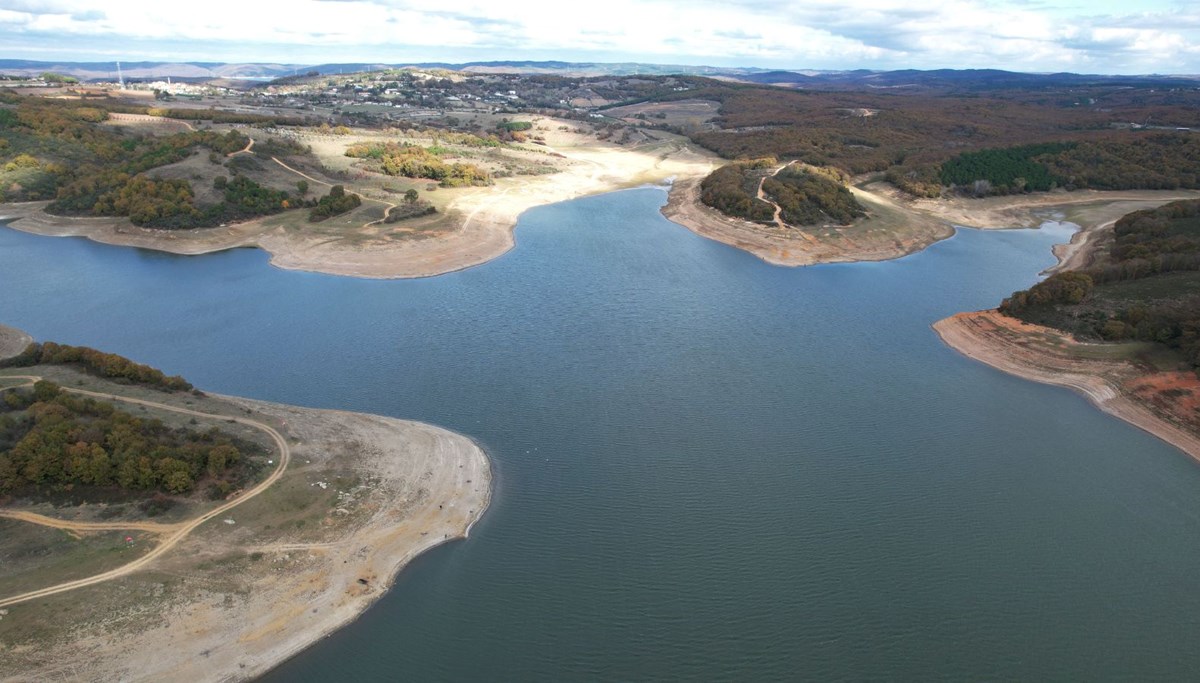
(1038, 35)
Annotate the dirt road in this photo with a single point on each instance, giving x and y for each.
(177, 532)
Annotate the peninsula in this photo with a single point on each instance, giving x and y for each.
(412, 172)
(210, 581)
(1115, 321)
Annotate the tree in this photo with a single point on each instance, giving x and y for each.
(411, 196)
(302, 187)
(334, 203)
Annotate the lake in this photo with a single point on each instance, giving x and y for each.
(707, 467)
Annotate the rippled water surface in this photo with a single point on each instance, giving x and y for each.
(707, 467)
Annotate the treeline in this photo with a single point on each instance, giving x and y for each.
(107, 365)
(55, 149)
(218, 116)
(913, 135)
(50, 439)
(733, 190)
(1069, 288)
(413, 161)
(1165, 161)
(1003, 171)
(863, 132)
(1160, 161)
(123, 188)
(1145, 291)
(809, 196)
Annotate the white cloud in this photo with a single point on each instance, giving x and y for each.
(818, 33)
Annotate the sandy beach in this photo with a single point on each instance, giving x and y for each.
(1049, 356)
(248, 590)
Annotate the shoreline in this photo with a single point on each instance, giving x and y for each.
(793, 247)
(1003, 343)
(236, 600)
(484, 222)
(922, 222)
(1044, 355)
(281, 655)
(477, 226)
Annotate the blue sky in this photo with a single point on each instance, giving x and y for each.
(1098, 36)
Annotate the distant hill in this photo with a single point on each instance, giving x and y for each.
(960, 79)
(191, 70)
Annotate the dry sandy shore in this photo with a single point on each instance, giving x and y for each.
(240, 595)
(898, 225)
(482, 220)
(1049, 356)
(1165, 404)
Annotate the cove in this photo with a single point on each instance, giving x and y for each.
(707, 467)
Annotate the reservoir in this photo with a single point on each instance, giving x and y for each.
(707, 467)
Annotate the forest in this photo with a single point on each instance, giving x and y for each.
(1002, 171)
(1147, 289)
(98, 363)
(57, 150)
(980, 142)
(52, 440)
(1159, 161)
(812, 196)
(733, 190)
(805, 195)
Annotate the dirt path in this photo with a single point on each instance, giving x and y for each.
(68, 525)
(118, 119)
(360, 195)
(763, 196)
(183, 528)
(245, 150)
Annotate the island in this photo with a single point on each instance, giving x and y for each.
(181, 535)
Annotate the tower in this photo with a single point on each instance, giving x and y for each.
(120, 78)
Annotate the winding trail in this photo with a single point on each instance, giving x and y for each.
(762, 196)
(177, 532)
(360, 195)
(245, 150)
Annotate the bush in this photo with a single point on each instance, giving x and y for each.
(335, 203)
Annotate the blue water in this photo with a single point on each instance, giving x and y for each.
(707, 467)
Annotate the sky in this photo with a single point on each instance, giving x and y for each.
(1083, 36)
